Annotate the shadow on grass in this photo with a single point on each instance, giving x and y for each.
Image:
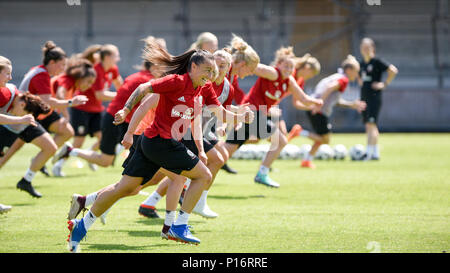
(223, 197)
(122, 247)
(159, 222)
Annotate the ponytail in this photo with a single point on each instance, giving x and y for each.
(52, 53)
(168, 64)
(79, 68)
(241, 51)
(307, 59)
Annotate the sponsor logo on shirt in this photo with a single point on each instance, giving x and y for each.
(276, 96)
(182, 99)
(188, 113)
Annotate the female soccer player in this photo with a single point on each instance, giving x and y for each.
(273, 84)
(160, 148)
(26, 128)
(86, 119)
(372, 69)
(306, 67)
(329, 90)
(113, 132)
(206, 41)
(244, 61)
(79, 75)
(225, 94)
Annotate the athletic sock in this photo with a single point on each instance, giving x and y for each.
(89, 219)
(309, 157)
(304, 133)
(182, 219)
(369, 151)
(263, 170)
(376, 151)
(90, 199)
(153, 199)
(168, 221)
(29, 175)
(74, 152)
(202, 201)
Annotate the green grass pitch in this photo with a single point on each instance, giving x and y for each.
(399, 204)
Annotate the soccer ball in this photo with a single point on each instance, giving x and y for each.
(325, 152)
(261, 150)
(304, 150)
(246, 152)
(357, 152)
(293, 151)
(340, 152)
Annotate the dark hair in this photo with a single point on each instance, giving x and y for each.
(79, 68)
(168, 64)
(52, 52)
(34, 104)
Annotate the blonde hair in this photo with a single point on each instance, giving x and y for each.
(4, 62)
(307, 60)
(282, 54)
(224, 54)
(202, 38)
(241, 51)
(350, 62)
(151, 39)
(107, 50)
(369, 41)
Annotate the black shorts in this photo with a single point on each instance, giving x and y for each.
(28, 135)
(46, 122)
(136, 142)
(190, 144)
(373, 101)
(7, 139)
(262, 127)
(154, 153)
(319, 123)
(85, 123)
(111, 134)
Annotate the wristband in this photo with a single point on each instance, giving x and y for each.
(70, 103)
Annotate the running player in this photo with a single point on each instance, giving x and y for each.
(113, 132)
(225, 94)
(160, 148)
(306, 67)
(79, 75)
(86, 119)
(244, 61)
(372, 69)
(273, 84)
(329, 90)
(15, 103)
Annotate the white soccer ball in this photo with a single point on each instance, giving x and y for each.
(340, 152)
(357, 152)
(291, 151)
(246, 152)
(261, 150)
(304, 150)
(325, 152)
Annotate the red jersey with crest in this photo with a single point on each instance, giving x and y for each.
(175, 109)
(267, 92)
(129, 85)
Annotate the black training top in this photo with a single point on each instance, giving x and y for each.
(372, 72)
